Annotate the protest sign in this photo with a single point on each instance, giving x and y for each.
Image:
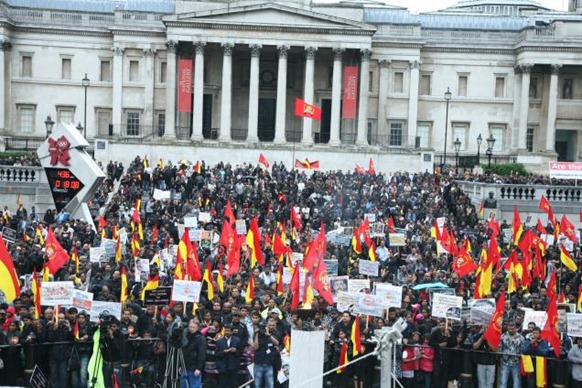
(397, 239)
(371, 217)
(332, 267)
(368, 304)
(441, 290)
(99, 308)
(54, 293)
(369, 268)
(158, 297)
(447, 306)
(195, 234)
(345, 300)
(162, 194)
(574, 324)
(8, 234)
(539, 318)
(337, 284)
(82, 300)
(287, 275)
(295, 257)
(204, 217)
(97, 255)
(241, 227)
(186, 291)
(389, 295)
(357, 285)
(142, 270)
(377, 230)
(122, 233)
(190, 222)
(481, 311)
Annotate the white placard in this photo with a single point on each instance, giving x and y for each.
(481, 311)
(345, 300)
(191, 222)
(371, 217)
(357, 285)
(447, 306)
(97, 255)
(195, 234)
(162, 194)
(142, 270)
(368, 304)
(287, 275)
(108, 308)
(186, 291)
(338, 284)
(295, 257)
(241, 227)
(397, 239)
(204, 217)
(539, 318)
(368, 267)
(390, 296)
(122, 233)
(82, 300)
(574, 324)
(56, 293)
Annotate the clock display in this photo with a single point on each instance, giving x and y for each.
(64, 186)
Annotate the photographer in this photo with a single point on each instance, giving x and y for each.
(112, 348)
(194, 355)
(266, 353)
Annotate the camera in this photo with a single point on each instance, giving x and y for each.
(176, 334)
(262, 328)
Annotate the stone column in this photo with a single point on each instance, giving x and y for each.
(226, 95)
(253, 132)
(149, 54)
(383, 96)
(170, 124)
(336, 98)
(515, 112)
(413, 103)
(552, 109)
(198, 91)
(307, 137)
(4, 46)
(117, 111)
(362, 139)
(523, 107)
(280, 114)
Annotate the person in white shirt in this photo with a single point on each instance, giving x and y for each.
(382, 251)
(267, 276)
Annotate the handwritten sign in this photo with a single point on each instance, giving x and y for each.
(186, 291)
(54, 293)
(97, 255)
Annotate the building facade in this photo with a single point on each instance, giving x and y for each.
(512, 68)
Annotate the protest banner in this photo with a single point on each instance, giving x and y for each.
(389, 295)
(368, 304)
(204, 217)
(371, 217)
(99, 308)
(160, 195)
(241, 227)
(397, 239)
(369, 268)
(447, 306)
(332, 267)
(158, 297)
(481, 311)
(345, 300)
(54, 293)
(357, 285)
(574, 325)
(186, 291)
(190, 221)
(97, 255)
(337, 284)
(539, 318)
(82, 300)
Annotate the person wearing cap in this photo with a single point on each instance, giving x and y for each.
(228, 350)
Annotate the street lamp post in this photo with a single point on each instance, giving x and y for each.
(457, 145)
(80, 127)
(489, 152)
(448, 96)
(85, 82)
(48, 123)
(479, 141)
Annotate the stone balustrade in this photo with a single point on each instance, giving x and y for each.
(563, 195)
(21, 175)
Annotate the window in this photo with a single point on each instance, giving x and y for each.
(460, 132)
(396, 134)
(499, 87)
(26, 70)
(498, 132)
(65, 68)
(105, 71)
(26, 118)
(398, 82)
(423, 136)
(161, 123)
(529, 140)
(462, 87)
(533, 87)
(372, 133)
(163, 72)
(567, 89)
(425, 85)
(371, 81)
(132, 123)
(66, 115)
(133, 71)
(104, 122)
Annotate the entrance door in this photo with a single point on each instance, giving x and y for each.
(207, 117)
(325, 126)
(266, 125)
(562, 150)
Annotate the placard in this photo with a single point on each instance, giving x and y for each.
(186, 291)
(99, 308)
(369, 268)
(161, 296)
(287, 275)
(397, 239)
(195, 234)
(122, 233)
(82, 300)
(574, 325)
(191, 222)
(56, 293)
(368, 304)
(8, 234)
(565, 170)
(110, 246)
(539, 318)
(142, 270)
(241, 227)
(295, 257)
(160, 195)
(357, 285)
(447, 306)
(332, 267)
(338, 284)
(377, 230)
(345, 301)
(389, 295)
(371, 217)
(440, 290)
(97, 255)
(481, 311)
(204, 217)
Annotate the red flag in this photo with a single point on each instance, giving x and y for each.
(316, 251)
(359, 169)
(303, 109)
(227, 234)
(295, 219)
(279, 248)
(102, 222)
(280, 286)
(228, 214)
(307, 164)
(493, 332)
(155, 234)
(193, 269)
(263, 160)
(57, 256)
(294, 287)
(540, 228)
(551, 286)
(321, 282)
(233, 259)
(391, 225)
(546, 207)
(568, 229)
(371, 169)
(550, 333)
(494, 226)
(463, 263)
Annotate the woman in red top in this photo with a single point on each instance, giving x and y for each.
(408, 366)
(426, 361)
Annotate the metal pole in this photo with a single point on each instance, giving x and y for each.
(85, 118)
(446, 133)
(386, 364)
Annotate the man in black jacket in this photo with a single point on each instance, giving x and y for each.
(194, 356)
(228, 351)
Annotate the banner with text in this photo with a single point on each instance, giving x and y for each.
(566, 170)
(350, 99)
(184, 85)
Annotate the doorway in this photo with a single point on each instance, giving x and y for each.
(266, 124)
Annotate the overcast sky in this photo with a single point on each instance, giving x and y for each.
(433, 5)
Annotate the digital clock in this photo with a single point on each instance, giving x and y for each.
(64, 186)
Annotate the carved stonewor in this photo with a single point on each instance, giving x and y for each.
(72, 174)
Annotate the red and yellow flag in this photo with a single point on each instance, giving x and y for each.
(208, 279)
(36, 290)
(493, 332)
(567, 260)
(355, 336)
(57, 256)
(220, 278)
(294, 287)
(280, 286)
(250, 292)
(343, 358)
(9, 282)
(152, 284)
(303, 109)
(579, 301)
(75, 259)
(307, 164)
(463, 263)
(517, 226)
(76, 331)
(124, 285)
(253, 241)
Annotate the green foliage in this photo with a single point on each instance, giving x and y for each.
(17, 154)
(506, 169)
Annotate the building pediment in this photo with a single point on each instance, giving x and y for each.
(268, 15)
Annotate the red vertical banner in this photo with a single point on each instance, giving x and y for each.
(350, 92)
(184, 85)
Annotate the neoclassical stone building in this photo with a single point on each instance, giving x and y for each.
(221, 78)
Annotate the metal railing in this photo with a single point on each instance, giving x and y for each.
(139, 131)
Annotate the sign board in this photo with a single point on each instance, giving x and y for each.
(389, 295)
(191, 222)
(142, 270)
(371, 217)
(338, 284)
(332, 267)
(204, 217)
(186, 291)
(481, 311)
(357, 285)
(447, 306)
(397, 239)
(159, 297)
(160, 195)
(345, 300)
(565, 170)
(195, 234)
(377, 230)
(539, 318)
(241, 227)
(99, 308)
(97, 255)
(8, 234)
(295, 257)
(574, 324)
(57, 293)
(442, 290)
(82, 300)
(368, 267)
(368, 304)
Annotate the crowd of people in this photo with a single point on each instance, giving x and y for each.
(224, 333)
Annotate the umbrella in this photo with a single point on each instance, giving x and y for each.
(429, 285)
(185, 162)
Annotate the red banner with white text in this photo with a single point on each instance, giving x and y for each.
(350, 92)
(185, 85)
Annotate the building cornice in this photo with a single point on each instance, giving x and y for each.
(551, 49)
(399, 44)
(468, 50)
(62, 31)
(127, 32)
